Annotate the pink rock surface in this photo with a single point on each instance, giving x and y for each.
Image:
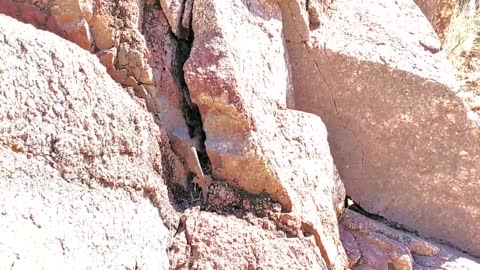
(405, 145)
(166, 94)
(211, 241)
(47, 222)
(438, 13)
(253, 140)
(82, 165)
(177, 13)
(373, 245)
(93, 25)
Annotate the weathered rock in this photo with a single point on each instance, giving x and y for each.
(81, 35)
(81, 129)
(179, 15)
(102, 32)
(373, 245)
(116, 31)
(28, 12)
(238, 244)
(76, 153)
(107, 59)
(49, 223)
(93, 25)
(253, 140)
(73, 16)
(168, 75)
(439, 13)
(315, 8)
(403, 142)
(187, 14)
(68, 19)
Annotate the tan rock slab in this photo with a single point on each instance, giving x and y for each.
(405, 145)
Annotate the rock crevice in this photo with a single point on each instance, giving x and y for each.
(238, 88)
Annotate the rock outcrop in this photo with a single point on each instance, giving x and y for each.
(373, 245)
(239, 244)
(135, 43)
(438, 13)
(242, 90)
(82, 165)
(164, 50)
(207, 117)
(405, 145)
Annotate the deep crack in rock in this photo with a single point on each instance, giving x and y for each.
(181, 40)
(190, 110)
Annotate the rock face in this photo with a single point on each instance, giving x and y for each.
(143, 59)
(112, 30)
(84, 168)
(373, 245)
(82, 165)
(239, 244)
(438, 13)
(242, 91)
(404, 144)
(49, 223)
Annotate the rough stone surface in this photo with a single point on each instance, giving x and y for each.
(373, 245)
(79, 151)
(28, 12)
(438, 13)
(83, 166)
(238, 244)
(168, 77)
(315, 8)
(49, 223)
(241, 90)
(404, 144)
(178, 14)
(134, 41)
(93, 25)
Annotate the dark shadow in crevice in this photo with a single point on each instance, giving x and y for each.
(171, 89)
(191, 113)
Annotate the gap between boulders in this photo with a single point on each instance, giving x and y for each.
(190, 111)
(239, 202)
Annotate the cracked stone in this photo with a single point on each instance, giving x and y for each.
(242, 98)
(396, 127)
(372, 245)
(239, 245)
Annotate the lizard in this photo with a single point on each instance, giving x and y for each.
(200, 179)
